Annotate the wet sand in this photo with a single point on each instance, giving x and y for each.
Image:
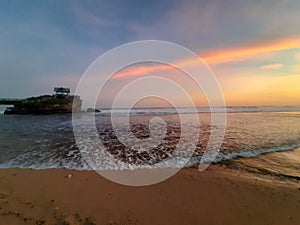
(216, 196)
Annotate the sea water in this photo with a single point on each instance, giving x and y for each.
(47, 141)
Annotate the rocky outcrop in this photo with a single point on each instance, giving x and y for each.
(92, 110)
(47, 104)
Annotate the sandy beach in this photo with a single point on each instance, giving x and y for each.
(216, 196)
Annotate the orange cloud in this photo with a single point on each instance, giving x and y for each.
(271, 67)
(137, 71)
(218, 57)
(246, 52)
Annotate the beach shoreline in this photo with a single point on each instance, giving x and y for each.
(215, 196)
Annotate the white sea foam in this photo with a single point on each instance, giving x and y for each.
(2, 109)
(103, 164)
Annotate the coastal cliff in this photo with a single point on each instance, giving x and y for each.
(46, 104)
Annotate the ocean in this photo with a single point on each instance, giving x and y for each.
(262, 140)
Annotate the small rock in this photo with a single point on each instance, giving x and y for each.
(92, 110)
(70, 175)
(40, 222)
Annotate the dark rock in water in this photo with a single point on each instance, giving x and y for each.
(92, 110)
(46, 104)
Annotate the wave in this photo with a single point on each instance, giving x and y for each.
(169, 111)
(80, 164)
(253, 153)
(2, 109)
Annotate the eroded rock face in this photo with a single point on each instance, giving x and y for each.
(47, 104)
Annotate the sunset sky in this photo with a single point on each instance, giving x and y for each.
(253, 47)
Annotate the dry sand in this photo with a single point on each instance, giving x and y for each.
(216, 196)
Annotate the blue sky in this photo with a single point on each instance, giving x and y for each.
(51, 43)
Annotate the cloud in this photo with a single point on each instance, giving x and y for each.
(242, 53)
(218, 57)
(271, 67)
(215, 24)
(140, 70)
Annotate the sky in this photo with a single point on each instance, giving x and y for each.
(252, 47)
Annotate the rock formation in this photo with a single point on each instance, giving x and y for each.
(46, 104)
